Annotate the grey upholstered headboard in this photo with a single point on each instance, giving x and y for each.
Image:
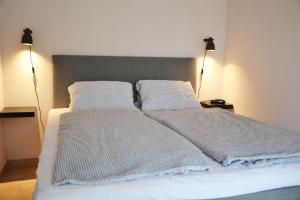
(71, 68)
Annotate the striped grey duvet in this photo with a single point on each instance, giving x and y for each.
(231, 139)
(99, 147)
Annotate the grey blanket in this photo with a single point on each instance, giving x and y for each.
(98, 147)
(231, 139)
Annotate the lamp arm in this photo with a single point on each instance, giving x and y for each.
(201, 74)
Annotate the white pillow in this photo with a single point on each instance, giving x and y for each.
(166, 95)
(89, 95)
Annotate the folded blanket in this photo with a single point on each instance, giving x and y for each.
(231, 139)
(98, 147)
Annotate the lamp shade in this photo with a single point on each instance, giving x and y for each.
(210, 45)
(27, 38)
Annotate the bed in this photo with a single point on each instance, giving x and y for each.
(275, 182)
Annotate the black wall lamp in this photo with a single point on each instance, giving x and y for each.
(27, 38)
(27, 41)
(209, 46)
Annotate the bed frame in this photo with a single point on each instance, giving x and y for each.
(71, 68)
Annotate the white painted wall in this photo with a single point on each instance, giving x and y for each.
(261, 76)
(2, 139)
(1, 83)
(106, 27)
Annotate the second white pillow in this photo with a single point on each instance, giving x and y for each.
(166, 95)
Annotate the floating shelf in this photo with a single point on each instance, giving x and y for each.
(13, 112)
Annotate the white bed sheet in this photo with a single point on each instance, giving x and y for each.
(220, 182)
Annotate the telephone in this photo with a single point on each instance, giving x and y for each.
(217, 101)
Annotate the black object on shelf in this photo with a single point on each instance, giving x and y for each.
(13, 112)
(209, 104)
(218, 101)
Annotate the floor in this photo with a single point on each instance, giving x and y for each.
(17, 170)
(17, 190)
(17, 180)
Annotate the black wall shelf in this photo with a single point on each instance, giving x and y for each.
(13, 112)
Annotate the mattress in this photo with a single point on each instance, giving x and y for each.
(219, 183)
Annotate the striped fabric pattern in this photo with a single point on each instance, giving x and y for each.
(166, 95)
(91, 95)
(107, 146)
(231, 139)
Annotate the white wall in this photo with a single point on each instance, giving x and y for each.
(1, 83)
(106, 27)
(261, 76)
(2, 139)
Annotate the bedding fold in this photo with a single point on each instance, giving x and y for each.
(107, 146)
(231, 139)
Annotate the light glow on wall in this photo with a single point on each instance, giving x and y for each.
(212, 70)
(237, 87)
(22, 62)
(21, 83)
